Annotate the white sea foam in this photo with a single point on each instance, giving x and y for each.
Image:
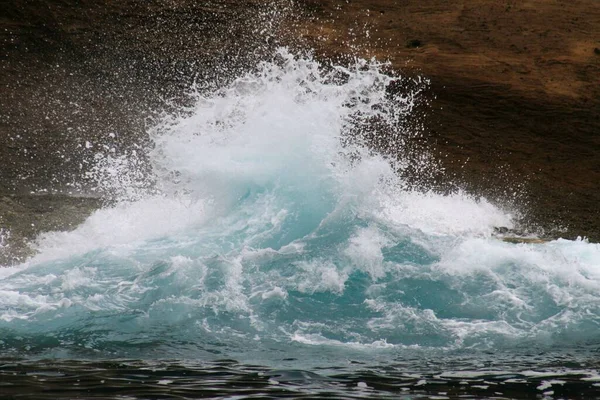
(364, 249)
(122, 226)
(317, 340)
(453, 214)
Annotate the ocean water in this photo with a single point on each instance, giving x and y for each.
(270, 251)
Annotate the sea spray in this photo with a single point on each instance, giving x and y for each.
(4, 237)
(270, 229)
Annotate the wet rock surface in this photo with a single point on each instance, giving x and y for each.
(513, 110)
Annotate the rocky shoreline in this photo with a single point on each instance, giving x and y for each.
(514, 96)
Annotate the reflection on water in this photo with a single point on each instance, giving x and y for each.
(489, 376)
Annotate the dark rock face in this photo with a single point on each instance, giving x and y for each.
(514, 98)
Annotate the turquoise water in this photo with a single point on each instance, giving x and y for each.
(269, 234)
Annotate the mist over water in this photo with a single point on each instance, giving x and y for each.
(269, 232)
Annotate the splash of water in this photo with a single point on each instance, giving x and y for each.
(4, 237)
(272, 229)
